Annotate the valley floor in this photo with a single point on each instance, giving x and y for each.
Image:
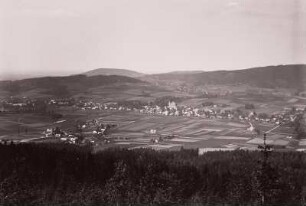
(135, 130)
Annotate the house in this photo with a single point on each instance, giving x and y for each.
(153, 131)
(172, 105)
(166, 113)
(48, 132)
(300, 107)
(251, 128)
(2, 109)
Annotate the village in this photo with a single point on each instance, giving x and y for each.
(103, 132)
(207, 110)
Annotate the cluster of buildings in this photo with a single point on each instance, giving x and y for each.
(173, 110)
(214, 111)
(14, 104)
(61, 135)
(61, 102)
(91, 131)
(24, 104)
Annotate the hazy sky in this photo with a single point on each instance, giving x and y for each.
(71, 36)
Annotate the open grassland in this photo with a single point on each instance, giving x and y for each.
(133, 130)
(22, 126)
(142, 92)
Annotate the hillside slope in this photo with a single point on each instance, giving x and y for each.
(109, 71)
(63, 86)
(282, 76)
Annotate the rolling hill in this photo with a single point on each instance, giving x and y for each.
(110, 71)
(282, 76)
(63, 86)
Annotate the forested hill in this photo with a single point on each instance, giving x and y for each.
(282, 76)
(58, 174)
(62, 86)
(110, 71)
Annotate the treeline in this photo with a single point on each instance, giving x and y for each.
(299, 126)
(62, 86)
(52, 174)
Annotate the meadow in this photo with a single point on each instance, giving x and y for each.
(133, 129)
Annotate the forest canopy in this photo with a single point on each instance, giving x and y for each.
(67, 174)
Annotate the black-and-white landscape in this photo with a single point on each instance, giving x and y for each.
(191, 102)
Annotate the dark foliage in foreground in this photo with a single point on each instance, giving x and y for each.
(57, 174)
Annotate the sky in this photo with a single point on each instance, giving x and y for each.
(59, 37)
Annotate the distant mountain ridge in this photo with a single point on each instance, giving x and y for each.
(186, 72)
(111, 71)
(282, 76)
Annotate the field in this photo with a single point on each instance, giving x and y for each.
(179, 132)
(133, 130)
(22, 126)
(142, 92)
